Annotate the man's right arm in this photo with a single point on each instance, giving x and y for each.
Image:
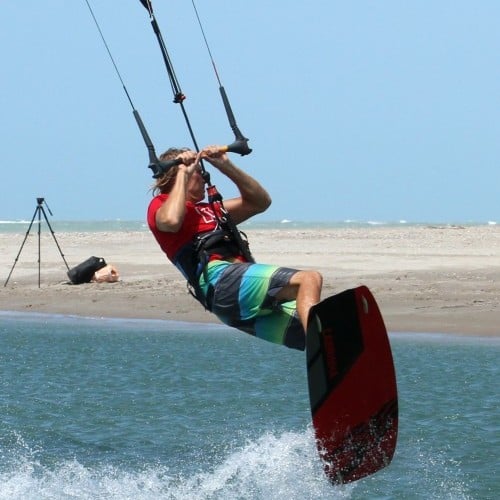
(170, 216)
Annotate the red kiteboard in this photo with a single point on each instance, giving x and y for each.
(352, 385)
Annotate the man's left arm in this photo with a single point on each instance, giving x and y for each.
(253, 198)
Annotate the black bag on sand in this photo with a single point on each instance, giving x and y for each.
(83, 273)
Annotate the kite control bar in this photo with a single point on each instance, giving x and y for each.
(240, 144)
(160, 167)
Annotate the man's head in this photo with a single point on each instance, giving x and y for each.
(166, 181)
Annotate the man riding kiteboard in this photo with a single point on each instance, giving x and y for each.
(267, 301)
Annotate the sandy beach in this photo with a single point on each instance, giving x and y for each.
(443, 279)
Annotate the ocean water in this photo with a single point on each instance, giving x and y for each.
(124, 409)
(21, 226)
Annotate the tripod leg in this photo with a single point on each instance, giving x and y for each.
(22, 245)
(39, 246)
(54, 236)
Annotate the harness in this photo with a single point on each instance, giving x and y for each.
(192, 258)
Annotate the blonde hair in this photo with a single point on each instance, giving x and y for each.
(166, 181)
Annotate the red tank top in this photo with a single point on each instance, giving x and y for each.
(199, 218)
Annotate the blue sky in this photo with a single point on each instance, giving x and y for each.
(366, 110)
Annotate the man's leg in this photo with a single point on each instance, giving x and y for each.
(305, 288)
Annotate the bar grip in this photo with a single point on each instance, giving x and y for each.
(239, 146)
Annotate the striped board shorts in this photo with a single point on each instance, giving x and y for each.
(243, 297)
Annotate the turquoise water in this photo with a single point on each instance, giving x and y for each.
(119, 409)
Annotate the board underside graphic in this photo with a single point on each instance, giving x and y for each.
(352, 385)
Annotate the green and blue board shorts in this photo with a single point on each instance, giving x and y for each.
(244, 298)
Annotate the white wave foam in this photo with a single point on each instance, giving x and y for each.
(273, 466)
(16, 221)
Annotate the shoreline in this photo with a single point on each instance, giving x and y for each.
(34, 316)
(432, 279)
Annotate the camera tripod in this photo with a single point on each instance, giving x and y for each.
(39, 211)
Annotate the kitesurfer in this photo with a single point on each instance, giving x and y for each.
(268, 301)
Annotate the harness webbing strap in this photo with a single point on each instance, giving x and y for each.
(192, 259)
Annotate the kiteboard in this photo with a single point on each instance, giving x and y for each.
(352, 385)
